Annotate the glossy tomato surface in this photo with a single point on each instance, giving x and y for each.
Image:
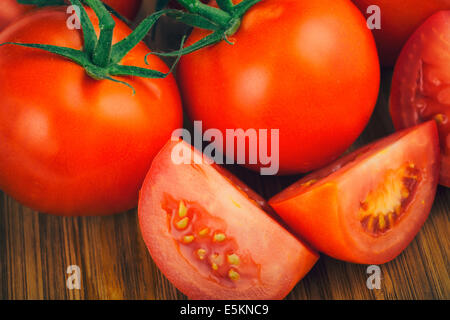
(421, 83)
(210, 234)
(11, 10)
(368, 206)
(307, 68)
(399, 19)
(69, 144)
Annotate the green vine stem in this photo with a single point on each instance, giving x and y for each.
(219, 16)
(223, 21)
(99, 57)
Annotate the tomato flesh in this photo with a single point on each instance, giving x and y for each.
(369, 205)
(421, 83)
(202, 239)
(211, 237)
(385, 204)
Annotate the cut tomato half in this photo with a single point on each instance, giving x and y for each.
(421, 83)
(212, 236)
(368, 206)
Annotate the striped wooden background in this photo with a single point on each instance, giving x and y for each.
(36, 249)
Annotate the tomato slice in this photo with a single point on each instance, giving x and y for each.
(212, 236)
(368, 206)
(421, 83)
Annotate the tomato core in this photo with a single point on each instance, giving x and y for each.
(384, 206)
(202, 240)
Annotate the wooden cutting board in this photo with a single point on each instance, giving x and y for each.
(36, 250)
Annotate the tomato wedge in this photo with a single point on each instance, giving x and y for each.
(421, 83)
(212, 236)
(368, 206)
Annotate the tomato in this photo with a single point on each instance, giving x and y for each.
(210, 234)
(399, 19)
(69, 144)
(307, 68)
(421, 83)
(368, 206)
(128, 8)
(11, 10)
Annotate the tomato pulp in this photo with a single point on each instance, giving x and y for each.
(421, 83)
(368, 206)
(210, 234)
(307, 68)
(70, 144)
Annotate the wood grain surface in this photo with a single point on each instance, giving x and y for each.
(36, 249)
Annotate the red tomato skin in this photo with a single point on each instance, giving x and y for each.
(11, 10)
(399, 19)
(291, 69)
(71, 145)
(322, 214)
(412, 101)
(254, 230)
(127, 8)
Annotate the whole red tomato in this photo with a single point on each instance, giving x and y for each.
(399, 19)
(10, 10)
(70, 144)
(307, 68)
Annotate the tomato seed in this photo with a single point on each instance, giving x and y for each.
(182, 210)
(183, 223)
(219, 237)
(233, 259)
(188, 239)
(233, 275)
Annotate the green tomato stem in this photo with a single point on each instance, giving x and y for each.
(225, 5)
(102, 52)
(216, 15)
(99, 58)
(224, 22)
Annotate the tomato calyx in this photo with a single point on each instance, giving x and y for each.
(223, 22)
(99, 57)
